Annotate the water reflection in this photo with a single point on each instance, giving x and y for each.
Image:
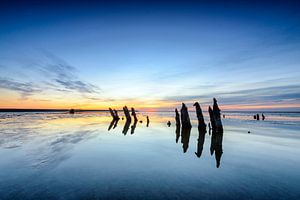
(177, 131)
(216, 147)
(133, 126)
(126, 127)
(200, 143)
(185, 138)
(113, 124)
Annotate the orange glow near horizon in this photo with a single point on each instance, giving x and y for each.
(139, 104)
(10, 99)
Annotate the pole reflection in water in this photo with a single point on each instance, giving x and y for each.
(200, 143)
(126, 127)
(113, 124)
(177, 131)
(185, 138)
(133, 126)
(216, 147)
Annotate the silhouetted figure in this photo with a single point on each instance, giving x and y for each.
(72, 111)
(169, 123)
(248, 131)
(177, 131)
(126, 127)
(185, 119)
(254, 116)
(201, 138)
(216, 147)
(177, 119)
(257, 116)
(133, 126)
(201, 123)
(223, 116)
(147, 125)
(262, 116)
(185, 138)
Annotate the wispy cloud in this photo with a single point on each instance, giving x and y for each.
(64, 75)
(54, 74)
(272, 94)
(25, 89)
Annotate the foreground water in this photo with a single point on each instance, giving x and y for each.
(62, 156)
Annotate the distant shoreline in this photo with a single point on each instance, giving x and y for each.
(83, 110)
(46, 110)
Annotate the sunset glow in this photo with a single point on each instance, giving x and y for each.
(149, 55)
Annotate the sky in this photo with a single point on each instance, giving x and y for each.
(150, 55)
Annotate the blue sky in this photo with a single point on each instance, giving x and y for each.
(90, 55)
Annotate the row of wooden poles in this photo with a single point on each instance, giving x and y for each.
(214, 115)
(183, 127)
(114, 114)
(116, 118)
(183, 120)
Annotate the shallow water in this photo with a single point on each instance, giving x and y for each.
(62, 156)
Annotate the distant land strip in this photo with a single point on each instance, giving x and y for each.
(46, 110)
(106, 110)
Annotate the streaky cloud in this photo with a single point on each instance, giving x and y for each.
(25, 89)
(282, 93)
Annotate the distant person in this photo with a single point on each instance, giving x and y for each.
(254, 116)
(169, 123)
(257, 116)
(147, 121)
(223, 116)
(263, 116)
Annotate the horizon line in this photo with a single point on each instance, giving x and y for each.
(105, 110)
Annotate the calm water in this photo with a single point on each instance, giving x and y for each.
(62, 156)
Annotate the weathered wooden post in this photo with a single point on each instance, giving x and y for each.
(133, 114)
(185, 119)
(212, 119)
(126, 112)
(116, 114)
(217, 117)
(177, 119)
(112, 113)
(201, 122)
